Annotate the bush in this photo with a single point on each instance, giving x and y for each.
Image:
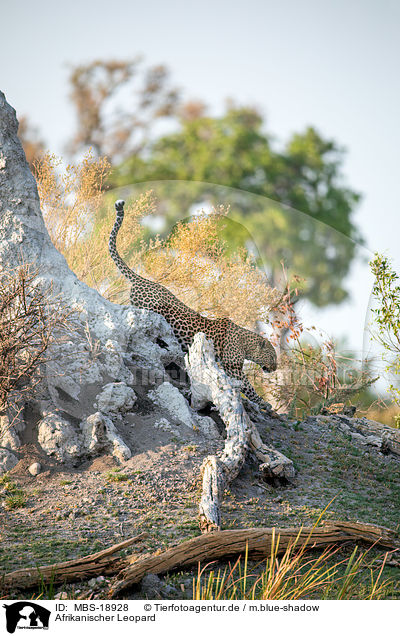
(29, 320)
(314, 379)
(386, 292)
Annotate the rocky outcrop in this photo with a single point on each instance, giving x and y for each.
(109, 360)
(112, 362)
(7, 460)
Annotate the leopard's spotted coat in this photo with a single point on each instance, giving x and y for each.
(232, 343)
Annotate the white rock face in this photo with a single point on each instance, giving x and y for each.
(99, 436)
(58, 437)
(111, 346)
(7, 460)
(97, 374)
(115, 397)
(168, 397)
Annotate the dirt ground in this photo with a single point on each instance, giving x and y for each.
(69, 512)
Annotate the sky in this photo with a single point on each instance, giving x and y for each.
(331, 64)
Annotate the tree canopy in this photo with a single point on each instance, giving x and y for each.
(304, 214)
(117, 102)
(292, 199)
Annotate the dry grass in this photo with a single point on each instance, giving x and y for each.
(197, 265)
(71, 200)
(194, 262)
(295, 576)
(312, 378)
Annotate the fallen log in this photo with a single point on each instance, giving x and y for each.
(231, 543)
(216, 387)
(102, 562)
(205, 548)
(274, 465)
(210, 383)
(384, 438)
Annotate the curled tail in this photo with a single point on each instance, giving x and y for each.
(112, 244)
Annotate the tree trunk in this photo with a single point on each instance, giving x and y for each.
(258, 543)
(209, 382)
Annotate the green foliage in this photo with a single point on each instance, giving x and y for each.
(234, 150)
(14, 497)
(115, 475)
(386, 292)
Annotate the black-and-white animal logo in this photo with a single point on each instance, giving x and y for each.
(26, 615)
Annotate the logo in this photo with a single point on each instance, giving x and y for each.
(26, 615)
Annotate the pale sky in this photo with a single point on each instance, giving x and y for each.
(331, 64)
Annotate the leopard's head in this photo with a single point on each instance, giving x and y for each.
(264, 354)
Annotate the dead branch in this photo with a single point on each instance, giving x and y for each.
(274, 465)
(230, 543)
(209, 382)
(205, 548)
(382, 437)
(102, 562)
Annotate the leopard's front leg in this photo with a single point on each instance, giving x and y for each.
(247, 389)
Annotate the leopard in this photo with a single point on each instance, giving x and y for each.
(232, 344)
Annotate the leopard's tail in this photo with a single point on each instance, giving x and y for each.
(112, 243)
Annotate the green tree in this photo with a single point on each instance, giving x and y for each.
(306, 219)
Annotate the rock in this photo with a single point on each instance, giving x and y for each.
(112, 348)
(163, 424)
(58, 437)
(100, 436)
(169, 591)
(151, 586)
(35, 468)
(8, 435)
(115, 397)
(207, 427)
(93, 431)
(169, 397)
(7, 460)
(61, 596)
